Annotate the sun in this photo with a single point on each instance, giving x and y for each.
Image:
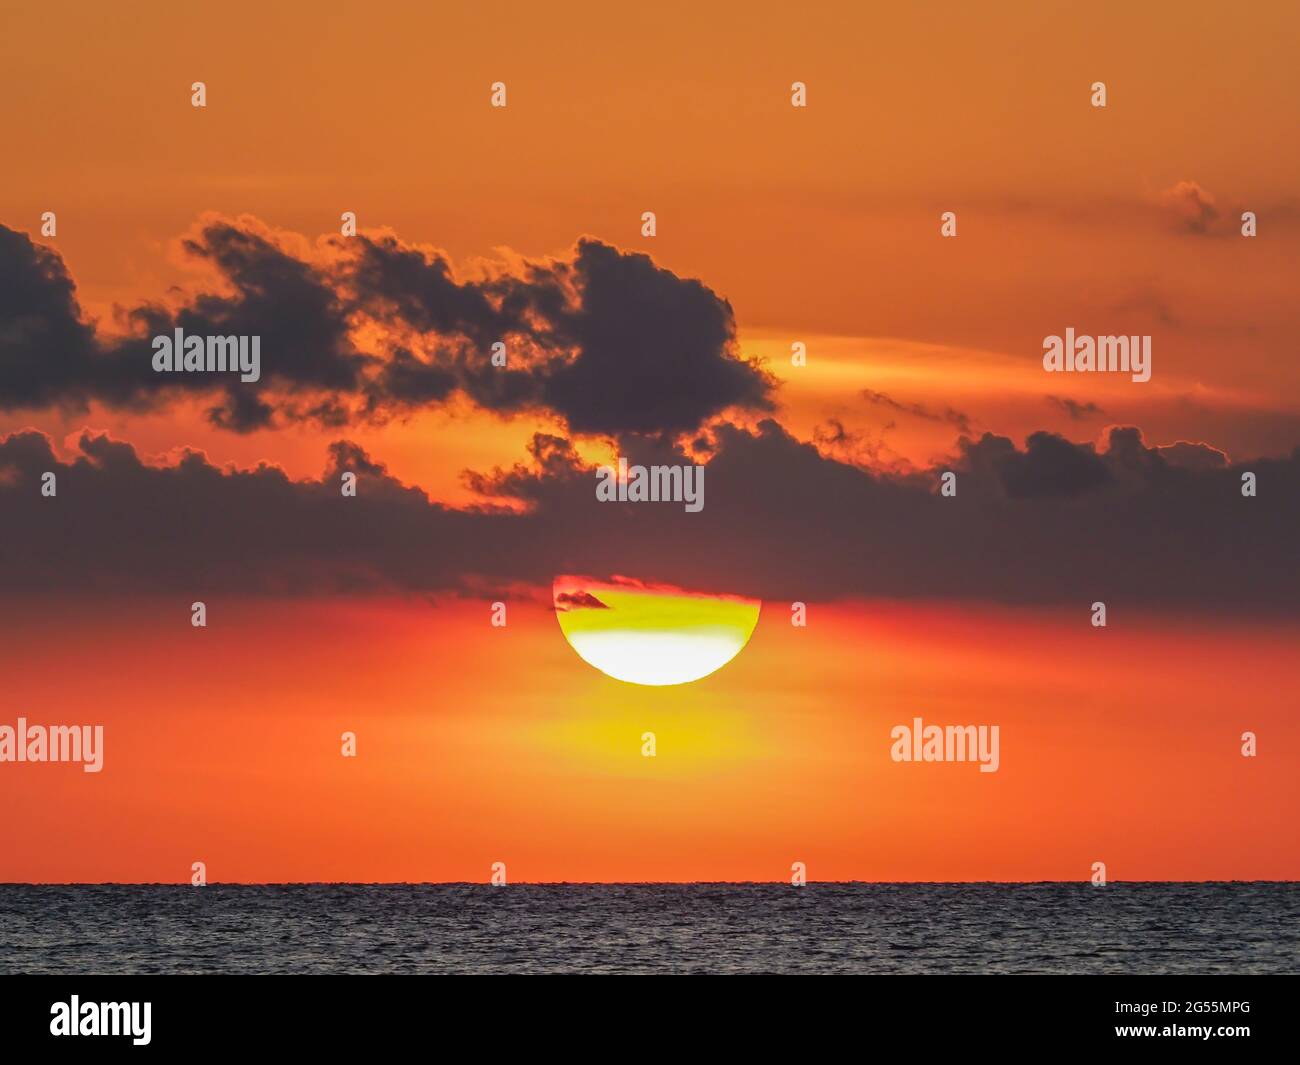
(654, 635)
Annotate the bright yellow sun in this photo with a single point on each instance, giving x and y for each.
(651, 635)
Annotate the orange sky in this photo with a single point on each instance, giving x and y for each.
(815, 223)
(478, 745)
(818, 225)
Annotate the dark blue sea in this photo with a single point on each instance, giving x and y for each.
(651, 928)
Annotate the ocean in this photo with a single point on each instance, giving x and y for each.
(1152, 928)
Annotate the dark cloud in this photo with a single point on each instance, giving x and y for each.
(284, 300)
(606, 340)
(51, 356)
(566, 601)
(194, 528)
(388, 279)
(242, 412)
(1052, 522)
(415, 381)
(655, 352)
(1076, 410)
(47, 354)
(1049, 466)
(952, 417)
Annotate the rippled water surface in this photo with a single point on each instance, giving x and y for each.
(652, 928)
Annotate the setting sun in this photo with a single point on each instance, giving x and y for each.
(654, 636)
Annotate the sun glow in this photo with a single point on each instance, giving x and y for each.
(651, 635)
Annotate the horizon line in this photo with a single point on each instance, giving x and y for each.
(609, 883)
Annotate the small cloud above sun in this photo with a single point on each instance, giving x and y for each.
(565, 601)
(651, 634)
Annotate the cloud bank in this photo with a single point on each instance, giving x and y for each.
(1050, 522)
(604, 339)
